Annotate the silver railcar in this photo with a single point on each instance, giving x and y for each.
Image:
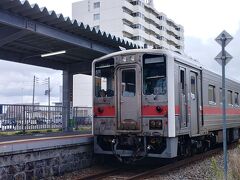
(157, 103)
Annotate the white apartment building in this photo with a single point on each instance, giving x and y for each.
(133, 20)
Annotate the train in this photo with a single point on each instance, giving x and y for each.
(160, 104)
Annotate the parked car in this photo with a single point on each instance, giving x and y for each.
(47, 121)
(57, 119)
(41, 120)
(31, 122)
(9, 124)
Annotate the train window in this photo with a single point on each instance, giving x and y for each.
(104, 78)
(220, 95)
(211, 94)
(182, 80)
(193, 85)
(128, 83)
(229, 97)
(154, 75)
(236, 98)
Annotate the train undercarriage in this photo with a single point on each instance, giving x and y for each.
(131, 148)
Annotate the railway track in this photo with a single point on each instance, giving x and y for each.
(135, 173)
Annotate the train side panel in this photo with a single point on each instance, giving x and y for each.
(212, 102)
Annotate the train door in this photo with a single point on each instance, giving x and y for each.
(129, 98)
(183, 98)
(194, 102)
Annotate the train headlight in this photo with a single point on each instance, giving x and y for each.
(158, 124)
(152, 124)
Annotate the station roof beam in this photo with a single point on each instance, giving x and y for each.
(27, 32)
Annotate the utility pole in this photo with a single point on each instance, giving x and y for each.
(49, 103)
(48, 93)
(35, 81)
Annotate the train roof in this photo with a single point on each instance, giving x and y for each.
(182, 57)
(185, 58)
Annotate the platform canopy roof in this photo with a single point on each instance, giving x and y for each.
(28, 31)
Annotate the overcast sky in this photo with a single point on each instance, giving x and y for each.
(203, 20)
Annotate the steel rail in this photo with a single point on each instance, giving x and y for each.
(99, 175)
(178, 164)
(156, 171)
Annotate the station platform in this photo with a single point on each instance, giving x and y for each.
(24, 143)
(43, 156)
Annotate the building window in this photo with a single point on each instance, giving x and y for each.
(137, 38)
(211, 94)
(236, 98)
(178, 37)
(96, 5)
(138, 26)
(178, 29)
(160, 37)
(161, 17)
(137, 3)
(96, 16)
(229, 97)
(138, 14)
(161, 27)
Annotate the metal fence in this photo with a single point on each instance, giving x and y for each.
(29, 117)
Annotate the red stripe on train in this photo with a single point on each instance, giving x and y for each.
(213, 111)
(216, 110)
(109, 111)
(154, 110)
(104, 111)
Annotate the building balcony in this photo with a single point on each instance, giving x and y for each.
(128, 29)
(140, 32)
(138, 8)
(173, 30)
(154, 18)
(128, 17)
(153, 39)
(154, 28)
(141, 21)
(127, 5)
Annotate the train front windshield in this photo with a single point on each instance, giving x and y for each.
(104, 78)
(154, 75)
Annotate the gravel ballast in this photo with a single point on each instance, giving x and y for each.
(199, 170)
